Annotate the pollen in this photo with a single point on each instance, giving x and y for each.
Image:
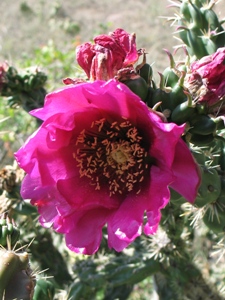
(112, 156)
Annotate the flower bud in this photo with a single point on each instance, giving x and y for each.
(202, 124)
(139, 86)
(109, 54)
(183, 113)
(201, 140)
(206, 81)
(146, 73)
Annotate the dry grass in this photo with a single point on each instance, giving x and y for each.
(26, 25)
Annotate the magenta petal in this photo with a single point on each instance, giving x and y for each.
(187, 173)
(42, 198)
(75, 102)
(167, 134)
(85, 197)
(115, 242)
(159, 192)
(210, 74)
(40, 160)
(84, 55)
(126, 223)
(152, 224)
(159, 196)
(86, 236)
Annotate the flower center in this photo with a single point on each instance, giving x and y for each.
(112, 155)
(119, 156)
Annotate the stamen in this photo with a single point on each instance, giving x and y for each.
(112, 155)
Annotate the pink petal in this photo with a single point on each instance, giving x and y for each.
(187, 173)
(153, 220)
(86, 236)
(126, 223)
(159, 196)
(128, 44)
(166, 137)
(84, 56)
(79, 193)
(42, 198)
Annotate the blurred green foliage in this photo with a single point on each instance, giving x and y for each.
(57, 64)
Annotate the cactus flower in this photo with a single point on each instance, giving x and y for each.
(109, 53)
(101, 156)
(3, 77)
(207, 78)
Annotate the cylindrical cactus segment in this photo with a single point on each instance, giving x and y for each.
(15, 272)
(200, 28)
(44, 290)
(9, 232)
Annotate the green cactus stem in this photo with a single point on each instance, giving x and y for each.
(44, 290)
(160, 95)
(199, 27)
(9, 232)
(14, 271)
(181, 279)
(210, 187)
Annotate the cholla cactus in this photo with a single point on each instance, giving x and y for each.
(180, 98)
(10, 199)
(23, 87)
(9, 233)
(16, 278)
(199, 27)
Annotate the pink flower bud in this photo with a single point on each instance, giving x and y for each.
(109, 54)
(3, 79)
(207, 79)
